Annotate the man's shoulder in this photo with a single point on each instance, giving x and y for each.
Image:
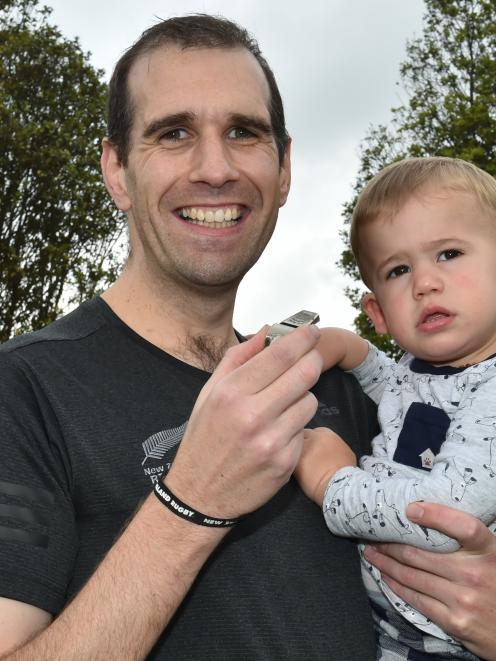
(335, 383)
(68, 342)
(76, 325)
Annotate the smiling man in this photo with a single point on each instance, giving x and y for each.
(201, 181)
(112, 546)
(94, 407)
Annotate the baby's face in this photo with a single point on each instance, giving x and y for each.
(433, 273)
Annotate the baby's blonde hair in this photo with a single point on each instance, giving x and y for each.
(393, 186)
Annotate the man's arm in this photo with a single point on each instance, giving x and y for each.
(456, 590)
(241, 445)
(133, 594)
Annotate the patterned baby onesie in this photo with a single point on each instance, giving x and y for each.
(437, 444)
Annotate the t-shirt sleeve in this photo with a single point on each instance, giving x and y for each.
(343, 407)
(38, 537)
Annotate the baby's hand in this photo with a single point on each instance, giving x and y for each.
(324, 452)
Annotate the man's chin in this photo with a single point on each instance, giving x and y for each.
(213, 281)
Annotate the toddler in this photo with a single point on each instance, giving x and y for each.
(424, 236)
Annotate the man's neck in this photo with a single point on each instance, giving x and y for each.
(188, 324)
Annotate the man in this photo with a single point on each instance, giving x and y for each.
(198, 158)
(94, 406)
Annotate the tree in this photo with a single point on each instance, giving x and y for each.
(449, 78)
(58, 228)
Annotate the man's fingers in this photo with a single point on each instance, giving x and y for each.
(268, 365)
(412, 566)
(462, 611)
(292, 384)
(455, 590)
(235, 358)
(470, 533)
(241, 353)
(428, 604)
(253, 369)
(398, 560)
(407, 565)
(292, 420)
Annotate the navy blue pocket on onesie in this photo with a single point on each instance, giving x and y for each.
(424, 429)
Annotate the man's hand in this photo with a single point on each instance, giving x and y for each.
(456, 590)
(324, 452)
(245, 433)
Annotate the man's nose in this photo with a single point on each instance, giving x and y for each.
(213, 163)
(427, 280)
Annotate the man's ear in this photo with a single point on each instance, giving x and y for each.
(373, 311)
(114, 176)
(285, 175)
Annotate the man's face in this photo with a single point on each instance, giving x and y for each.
(203, 183)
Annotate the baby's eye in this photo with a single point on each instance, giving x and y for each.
(397, 271)
(451, 253)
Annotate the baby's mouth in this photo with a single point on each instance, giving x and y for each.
(434, 316)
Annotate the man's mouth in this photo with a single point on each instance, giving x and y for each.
(216, 217)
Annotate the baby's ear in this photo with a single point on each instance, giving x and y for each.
(373, 311)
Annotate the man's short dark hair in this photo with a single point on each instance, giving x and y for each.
(195, 31)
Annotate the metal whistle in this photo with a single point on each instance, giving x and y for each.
(301, 318)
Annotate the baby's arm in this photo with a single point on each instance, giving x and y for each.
(323, 453)
(371, 503)
(342, 348)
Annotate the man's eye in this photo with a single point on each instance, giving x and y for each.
(448, 254)
(174, 135)
(397, 271)
(241, 133)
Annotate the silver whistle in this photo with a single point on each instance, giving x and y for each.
(301, 318)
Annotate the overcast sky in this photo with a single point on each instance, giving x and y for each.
(337, 66)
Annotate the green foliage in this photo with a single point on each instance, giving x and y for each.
(58, 228)
(449, 78)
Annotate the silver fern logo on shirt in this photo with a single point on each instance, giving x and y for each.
(156, 446)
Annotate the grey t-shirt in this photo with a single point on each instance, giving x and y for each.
(90, 415)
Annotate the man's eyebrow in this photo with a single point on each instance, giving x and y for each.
(251, 121)
(168, 122)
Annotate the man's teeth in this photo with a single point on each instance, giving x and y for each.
(213, 217)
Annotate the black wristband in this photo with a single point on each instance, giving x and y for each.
(179, 508)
